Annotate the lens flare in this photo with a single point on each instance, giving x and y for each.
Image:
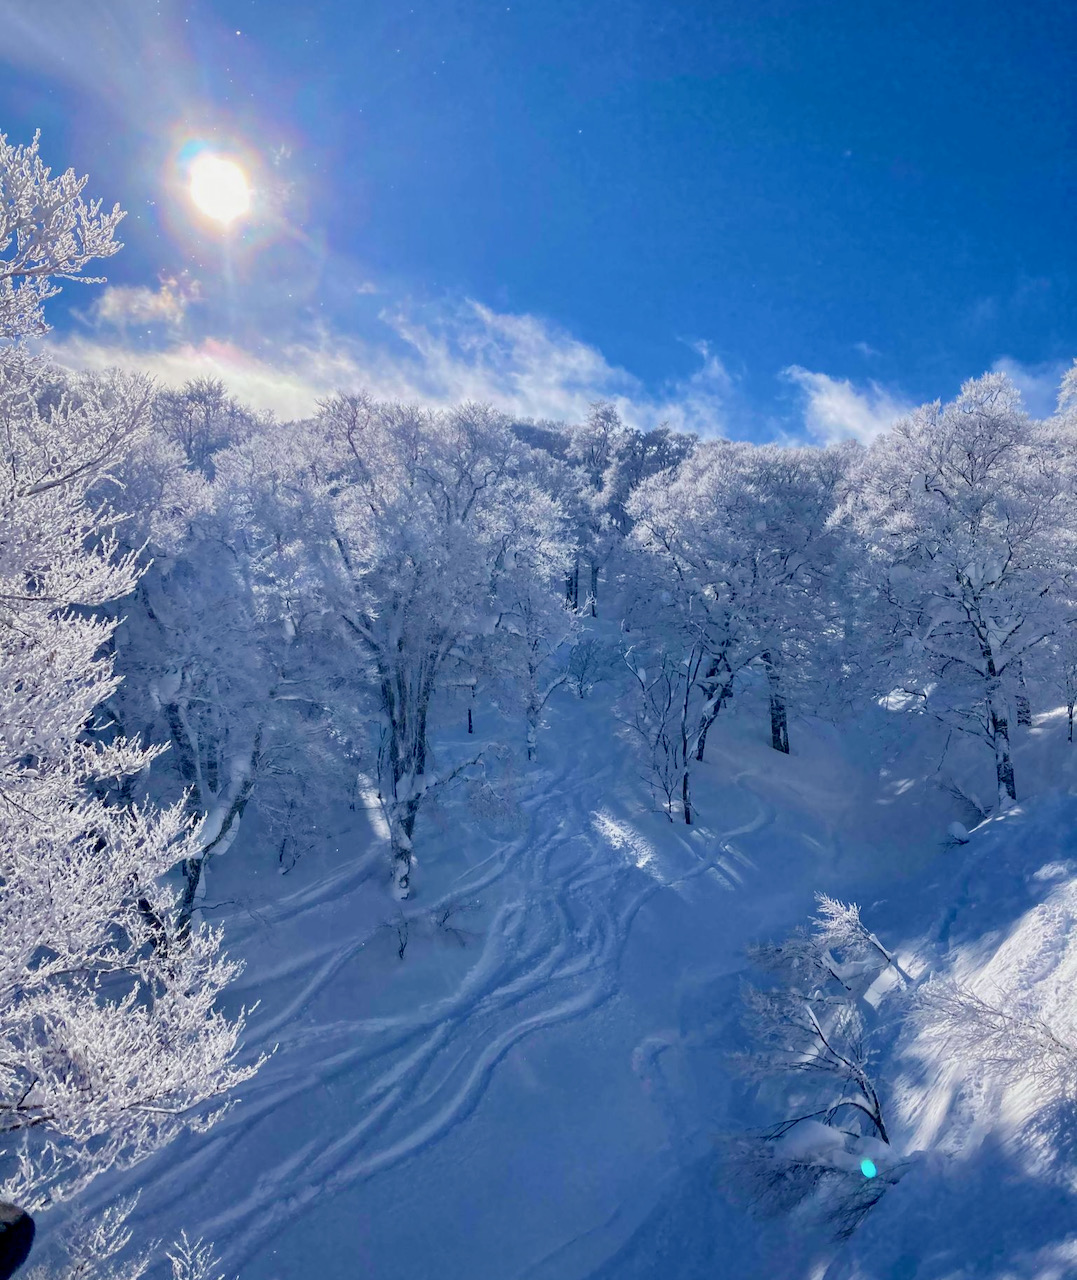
(219, 188)
(867, 1168)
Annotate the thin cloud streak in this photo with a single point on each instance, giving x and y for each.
(439, 356)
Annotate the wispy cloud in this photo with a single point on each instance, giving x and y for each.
(834, 409)
(122, 307)
(288, 384)
(1037, 383)
(437, 355)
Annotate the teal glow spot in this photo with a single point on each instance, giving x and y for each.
(867, 1168)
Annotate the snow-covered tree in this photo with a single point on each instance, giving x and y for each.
(410, 520)
(592, 449)
(47, 233)
(591, 662)
(212, 648)
(110, 1041)
(1002, 1034)
(1067, 397)
(200, 419)
(966, 512)
(740, 534)
(812, 1022)
(637, 456)
(533, 623)
(811, 1028)
(663, 712)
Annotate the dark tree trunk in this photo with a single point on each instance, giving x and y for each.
(1069, 712)
(470, 727)
(594, 587)
(407, 764)
(709, 718)
(192, 878)
(685, 799)
(779, 724)
(1000, 730)
(1022, 703)
(572, 586)
(194, 867)
(779, 719)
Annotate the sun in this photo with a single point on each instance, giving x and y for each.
(219, 189)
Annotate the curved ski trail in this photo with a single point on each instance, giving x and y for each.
(569, 890)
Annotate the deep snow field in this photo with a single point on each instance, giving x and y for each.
(537, 1089)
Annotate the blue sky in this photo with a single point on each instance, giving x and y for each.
(762, 218)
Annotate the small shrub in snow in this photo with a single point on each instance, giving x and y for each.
(101, 1250)
(193, 1261)
(591, 662)
(812, 1029)
(94, 1250)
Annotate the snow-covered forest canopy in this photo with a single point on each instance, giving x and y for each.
(400, 684)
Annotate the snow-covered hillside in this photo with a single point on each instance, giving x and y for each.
(538, 1087)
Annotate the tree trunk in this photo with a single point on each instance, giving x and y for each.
(225, 833)
(470, 727)
(1021, 700)
(401, 845)
(685, 800)
(1069, 712)
(779, 720)
(572, 586)
(192, 878)
(1000, 733)
(709, 717)
(594, 587)
(532, 733)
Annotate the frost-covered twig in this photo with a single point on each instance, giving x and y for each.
(1002, 1035)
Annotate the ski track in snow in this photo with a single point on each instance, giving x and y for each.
(550, 953)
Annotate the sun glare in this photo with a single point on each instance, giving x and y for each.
(219, 189)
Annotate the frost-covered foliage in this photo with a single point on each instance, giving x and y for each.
(663, 712)
(110, 1043)
(412, 534)
(591, 662)
(97, 1250)
(812, 1029)
(47, 233)
(1005, 1035)
(211, 646)
(741, 537)
(607, 461)
(967, 516)
(193, 1260)
(101, 1249)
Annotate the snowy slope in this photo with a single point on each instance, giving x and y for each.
(537, 1088)
(995, 1192)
